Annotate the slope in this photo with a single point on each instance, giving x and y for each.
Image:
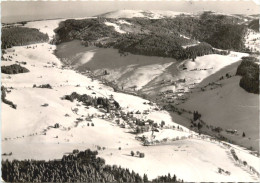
(227, 106)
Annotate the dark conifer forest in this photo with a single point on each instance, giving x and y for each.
(249, 70)
(160, 37)
(79, 166)
(19, 36)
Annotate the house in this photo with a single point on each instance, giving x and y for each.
(150, 103)
(145, 128)
(117, 121)
(218, 84)
(169, 91)
(231, 131)
(138, 112)
(100, 106)
(44, 105)
(88, 119)
(131, 125)
(117, 113)
(146, 123)
(181, 89)
(56, 125)
(145, 112)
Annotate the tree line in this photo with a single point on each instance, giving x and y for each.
(254, 24)
(79, 166)
(249, 70)
(92, 101)
(19, 36)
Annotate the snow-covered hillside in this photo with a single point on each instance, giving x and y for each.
(152, 14)
(227, 105)
(192, 71)
(117, 27)
(45, 26)
(158, 14)
(43, 126)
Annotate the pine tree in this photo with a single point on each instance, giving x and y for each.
(132, 153)
(145, 178)
(174, 178)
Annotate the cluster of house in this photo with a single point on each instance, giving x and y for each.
(197, 69)
(131, 119)
(171, 96)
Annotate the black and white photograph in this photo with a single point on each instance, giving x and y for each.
(130, 91)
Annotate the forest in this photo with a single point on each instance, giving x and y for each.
(13, 69)
(19, 36)
(87, 30)
(78, 166)
(160, 37)
(93, 101)
(163, 46)
(204, 28)
(249, 70)
(254, 24)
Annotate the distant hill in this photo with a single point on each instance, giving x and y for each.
(167, 35)
(154, 14)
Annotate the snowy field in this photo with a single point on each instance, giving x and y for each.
(227, 106)
(45, 26)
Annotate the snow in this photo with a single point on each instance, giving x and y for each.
(85, 57)
(45, 26)
(124, 22)
(127, 70)
(124, 14)
(190, 45)
(153, 14)
(205, 66)
(168, 134)
(158, 116)
(184, 36)
(245, 156)
(161, 14)
(143, 75)
(193, 72)
(48, 26)
(236, 108)
(192, 159)
(117, 27)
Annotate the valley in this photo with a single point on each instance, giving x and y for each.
(90, 97)
(148, 77)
